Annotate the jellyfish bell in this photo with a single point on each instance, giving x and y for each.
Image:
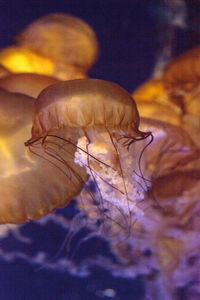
(27, 83)
(75, 41)
(182, 73)
(22, 60)
(101, 118)
(10, 104)
(181, 77)
(30, 186)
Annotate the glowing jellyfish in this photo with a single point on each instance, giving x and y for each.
(30, 186)
(22, 60)
(3, 72)
(27, 83)
(102, 120)
(75, 41)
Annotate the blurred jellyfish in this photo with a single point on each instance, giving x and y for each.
(22, 60)
(27, 83)
(176, 241)
(64, 39)
(181, 79)
(30, 186)
(101, 120)
(153, 102)
(181, 75)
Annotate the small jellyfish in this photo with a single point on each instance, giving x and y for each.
(27, 83)
(21, 60)
(63, 38)
(101, 119)
(30, 186)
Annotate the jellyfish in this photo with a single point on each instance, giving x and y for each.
(21, 60)
(182, 83)
(76, 43)
(101, 119)
(27, 83)
(30, 186)
(182, 73)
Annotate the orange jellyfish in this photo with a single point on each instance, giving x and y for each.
(27, 83)
(181, 77)
(30, 186)
(65, 39)
(182, 73)
(101, 119)
(21, 60)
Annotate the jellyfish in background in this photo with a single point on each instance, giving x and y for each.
(30, 186)
(65, 40)
(153, 102)
(26, 83)
(21, 60)
(181, 80)
(172, 163)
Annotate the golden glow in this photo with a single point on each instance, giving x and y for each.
(30, 187)
(21, 60)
